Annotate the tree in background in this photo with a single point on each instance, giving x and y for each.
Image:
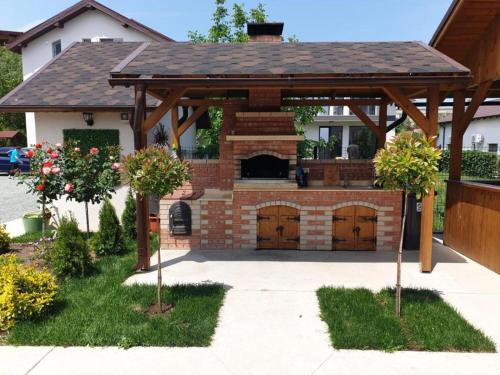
(109, 239)
(154, 172)
(408, 163)
(129, 217)
(230, 28)
(11, 75)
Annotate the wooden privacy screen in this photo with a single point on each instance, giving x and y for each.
(472, 222)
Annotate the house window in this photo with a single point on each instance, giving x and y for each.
(338, 110)
(56, 48)
(325, 132)
(493, 147)
(370, 110)
(86, 40)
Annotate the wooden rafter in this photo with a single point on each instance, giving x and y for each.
(175, 128)
(163, 108)
(367, 121)
(191, 119)
(479, 95)
(398, 96)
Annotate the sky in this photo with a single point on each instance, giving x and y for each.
(309, 20)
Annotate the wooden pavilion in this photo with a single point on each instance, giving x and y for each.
(264, 77)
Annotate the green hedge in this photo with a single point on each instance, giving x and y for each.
(474, 163)
(88, 138)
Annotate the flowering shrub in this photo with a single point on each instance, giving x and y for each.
(24, 291)
(90, 177)
(4, 238)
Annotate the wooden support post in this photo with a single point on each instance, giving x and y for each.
(176, 141)
(382, 123)
(191, 119)
(169, 102)
(142, 211)
(455, 171)
(427, 218)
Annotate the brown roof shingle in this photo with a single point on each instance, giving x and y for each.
(485, 111)
(336, 58)
(77, 78)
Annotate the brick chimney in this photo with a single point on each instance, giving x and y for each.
(268, 32)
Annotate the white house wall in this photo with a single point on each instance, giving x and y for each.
(91, 24)
(489, 128)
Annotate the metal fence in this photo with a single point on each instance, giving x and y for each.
(199, 153)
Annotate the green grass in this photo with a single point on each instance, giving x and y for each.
(99, 311)
(360, 319)
(31, 237)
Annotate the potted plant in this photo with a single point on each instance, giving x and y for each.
(409, 163)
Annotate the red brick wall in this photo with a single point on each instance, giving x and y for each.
(204, 175)
(353, 170)
(264, 99)
(265, 123)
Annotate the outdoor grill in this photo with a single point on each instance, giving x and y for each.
(179, 219)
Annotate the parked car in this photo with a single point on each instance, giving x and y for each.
(5, 160)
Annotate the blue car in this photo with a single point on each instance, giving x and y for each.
(5, 166)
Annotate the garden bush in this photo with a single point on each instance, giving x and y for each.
(109, 239)
(129, 217)
(474, 163)
(24, 291)
(69, 255)
(4, 238)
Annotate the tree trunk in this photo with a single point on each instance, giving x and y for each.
(43, 217)
(400, 259)
(87, 218)
(158, 267)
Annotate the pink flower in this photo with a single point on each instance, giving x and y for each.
(58, 145)
(56, 170)
(94, 151)
(68, 188)
(54, 155)
(46, 170)
(116, 166)
(76, 149)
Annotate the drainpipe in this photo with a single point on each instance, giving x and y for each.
(396, 123)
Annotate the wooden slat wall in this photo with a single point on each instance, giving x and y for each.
(472, 222)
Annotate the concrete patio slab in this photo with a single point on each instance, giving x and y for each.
(19, 360)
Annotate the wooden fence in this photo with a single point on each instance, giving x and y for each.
(472, 221)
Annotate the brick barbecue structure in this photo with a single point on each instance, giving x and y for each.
(229, 200)
(249, 198)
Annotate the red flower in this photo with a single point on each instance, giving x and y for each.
(29, 154)
(94, 151)
(38, 145)
(49, 151)
(40, 187)
(48, 164)
(54, 155)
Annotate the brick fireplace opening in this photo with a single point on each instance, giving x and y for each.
(265, 166)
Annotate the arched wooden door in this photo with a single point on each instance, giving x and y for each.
(354, 228)
(278, 228)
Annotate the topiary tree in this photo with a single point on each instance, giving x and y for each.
(129, 217)
(69, 255)
(154, 172)
(109, 239)
(408, 163)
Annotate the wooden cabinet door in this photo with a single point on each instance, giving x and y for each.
(288, 228)
(343, 228)
(267, 222)
(354, 228)
(365, 228)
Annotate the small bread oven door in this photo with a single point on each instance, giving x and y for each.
(179, 219)
(264, 167)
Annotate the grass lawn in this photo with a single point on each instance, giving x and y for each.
(361, 319)
(99, 311)
(31, 237)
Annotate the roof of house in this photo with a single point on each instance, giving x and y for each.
(7, 36)
(485, 111)
(82, 6)
(278, 59)
(9, 134)
(76, 79)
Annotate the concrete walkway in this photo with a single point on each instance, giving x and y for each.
(270, 323)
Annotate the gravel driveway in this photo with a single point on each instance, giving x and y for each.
(14, 201)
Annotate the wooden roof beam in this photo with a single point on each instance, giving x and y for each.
(191, 119)
(398, 96)
(167, 104)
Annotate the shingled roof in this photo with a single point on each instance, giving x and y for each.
(75, 10)
(483, 112)
(77, 79)
(289, 59)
